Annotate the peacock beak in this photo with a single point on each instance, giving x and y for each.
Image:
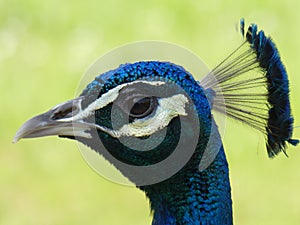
(56, 121)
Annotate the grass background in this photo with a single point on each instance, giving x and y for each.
(46, 46)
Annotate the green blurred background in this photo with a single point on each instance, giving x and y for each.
(46, 46)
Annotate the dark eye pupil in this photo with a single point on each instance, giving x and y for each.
(142, 107)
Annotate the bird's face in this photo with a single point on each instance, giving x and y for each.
(137, 114)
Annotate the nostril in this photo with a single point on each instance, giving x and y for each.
(61, 114)
(64, 111)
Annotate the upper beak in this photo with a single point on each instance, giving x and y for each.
(57, 121)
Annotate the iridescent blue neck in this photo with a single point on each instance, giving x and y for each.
(193, 197)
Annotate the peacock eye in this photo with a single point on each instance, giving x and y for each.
(143, 107)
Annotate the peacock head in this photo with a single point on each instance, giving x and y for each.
(145, 117)
(152, 119)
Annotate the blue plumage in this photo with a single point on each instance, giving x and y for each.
(123, 112)
(193, 197)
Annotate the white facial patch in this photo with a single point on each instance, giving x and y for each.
(167, 109)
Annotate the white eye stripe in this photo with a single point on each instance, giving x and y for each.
(106, 99)
(167, 109)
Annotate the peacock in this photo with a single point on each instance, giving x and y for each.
(155, 123)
